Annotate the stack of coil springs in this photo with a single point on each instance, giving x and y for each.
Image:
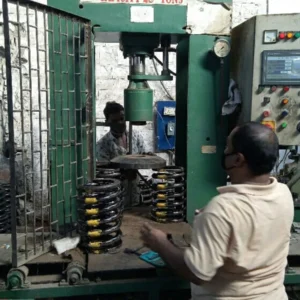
(5, 219)
(145, 187)
(100, 215)
(169, 197)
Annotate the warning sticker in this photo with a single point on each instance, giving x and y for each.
(145, 2)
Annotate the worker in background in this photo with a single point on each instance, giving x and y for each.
(116, 143)
(240, 241)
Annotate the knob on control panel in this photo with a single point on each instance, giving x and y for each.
(266, 113)
(284, 113)
(286, 89)
(298, 127)
(285, 101)
(284, 125)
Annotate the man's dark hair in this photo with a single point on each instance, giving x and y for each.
(112, 108)
(259, 145)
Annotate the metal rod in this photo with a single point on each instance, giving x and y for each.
(22, 128)
(10, 108)
(130, 138)
(89, 102)
(40, 127)
(31, 130)
(49, 191)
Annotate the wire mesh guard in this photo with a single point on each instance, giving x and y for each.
(47, 119)
(100, 214)
(169, 196)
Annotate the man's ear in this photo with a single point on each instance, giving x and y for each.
(240, 160)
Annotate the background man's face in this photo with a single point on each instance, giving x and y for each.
(117, 122)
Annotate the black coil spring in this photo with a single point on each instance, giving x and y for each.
(5, 216)
(169, 196)
(145, 187)
(100, 215)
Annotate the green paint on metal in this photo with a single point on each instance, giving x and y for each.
(68, 143)
(103, 288)
(138, 102)
(201, 133)
(151, 77)
(116, 17)
(138, 43)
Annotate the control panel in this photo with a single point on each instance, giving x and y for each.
(266, 67)
(165, 125)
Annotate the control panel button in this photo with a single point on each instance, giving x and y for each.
(297, 35)
(284, 125)
(266, 100)
(286, 88)
(270, 124)
(266, 113)
(285, 101)
(273, 88)
(298, 127)
(284, 113)
(290, 35)
(282, 35)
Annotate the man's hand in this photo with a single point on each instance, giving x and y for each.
(152, 238)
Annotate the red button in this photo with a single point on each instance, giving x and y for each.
(282, 35)
(269, 126)
(286, 89)
(266, 113)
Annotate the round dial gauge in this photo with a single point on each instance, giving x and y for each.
(222, 48)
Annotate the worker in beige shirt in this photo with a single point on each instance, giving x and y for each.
(240, 240)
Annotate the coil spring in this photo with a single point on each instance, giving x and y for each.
(107, 172)
(169, 196)
(146, 195)
(100, 215)
(5, 219)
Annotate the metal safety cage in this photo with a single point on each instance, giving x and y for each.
(48, 124)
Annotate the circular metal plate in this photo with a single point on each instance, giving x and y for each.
(138, 161)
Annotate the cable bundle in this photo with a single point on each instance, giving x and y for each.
(100, 215)
(169, 197)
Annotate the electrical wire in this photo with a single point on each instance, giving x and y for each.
(162, 84)
(161, 63)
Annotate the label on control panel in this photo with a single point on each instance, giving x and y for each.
(146, 2)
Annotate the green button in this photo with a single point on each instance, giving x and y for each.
(284, 125)
(297, 35)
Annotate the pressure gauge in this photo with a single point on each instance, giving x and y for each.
(270, 36)
(222, 48)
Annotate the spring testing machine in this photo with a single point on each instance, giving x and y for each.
(143, 27)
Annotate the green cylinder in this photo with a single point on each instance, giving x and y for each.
(138, 102)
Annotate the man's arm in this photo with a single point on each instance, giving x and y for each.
(174, 257)
(102, 151)
(200, 262)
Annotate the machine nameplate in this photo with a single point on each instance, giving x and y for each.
(140, 2)
(208, 149)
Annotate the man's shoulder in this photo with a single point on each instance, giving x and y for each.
(106, 137)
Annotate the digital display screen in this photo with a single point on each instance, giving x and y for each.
(281, 67)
